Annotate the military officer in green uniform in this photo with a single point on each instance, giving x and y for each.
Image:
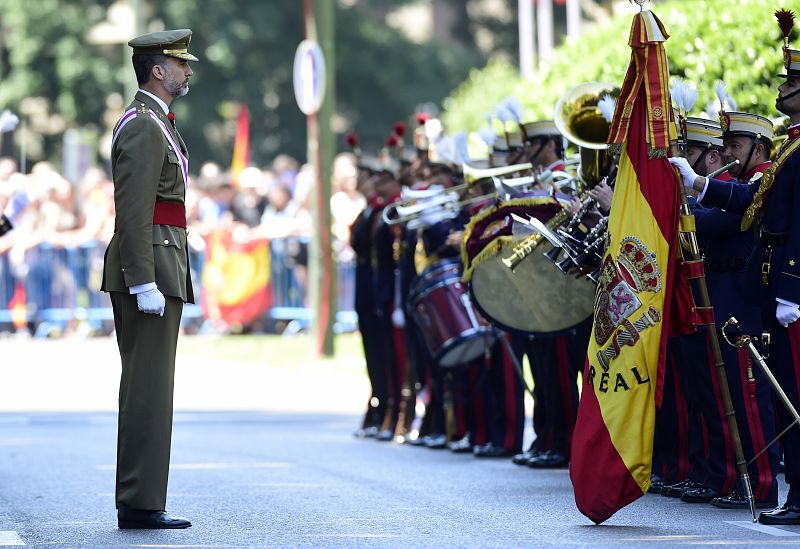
(147, 274)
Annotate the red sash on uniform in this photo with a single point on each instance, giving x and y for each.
(169, 213)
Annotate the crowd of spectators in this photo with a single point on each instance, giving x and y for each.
(274, 202)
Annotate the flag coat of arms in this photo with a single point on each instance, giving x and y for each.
(612, 445)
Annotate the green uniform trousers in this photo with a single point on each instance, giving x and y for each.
(147, 345)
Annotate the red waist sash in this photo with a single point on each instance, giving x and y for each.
(169, 213)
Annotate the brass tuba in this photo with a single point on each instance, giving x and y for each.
(581, 121)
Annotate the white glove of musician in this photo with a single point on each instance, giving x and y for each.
(687, 173)
(15, 206)
(8, 121)
(786, 314)
(151, 301)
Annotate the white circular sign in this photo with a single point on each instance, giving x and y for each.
(309, 77)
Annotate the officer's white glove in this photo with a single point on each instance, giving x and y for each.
(687, 173)
(8, 121)
(151, 301)
(786, 314)
(17, 203)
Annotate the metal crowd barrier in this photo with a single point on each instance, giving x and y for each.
(62, 289)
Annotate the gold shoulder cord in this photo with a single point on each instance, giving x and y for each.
(754, 209)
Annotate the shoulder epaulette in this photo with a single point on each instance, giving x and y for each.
(756, 178)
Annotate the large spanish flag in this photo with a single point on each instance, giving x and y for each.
(612, 445)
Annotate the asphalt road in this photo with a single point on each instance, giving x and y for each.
(278, 478)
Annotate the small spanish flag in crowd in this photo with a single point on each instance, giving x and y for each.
(236, 279)
(241, 145)
(640, 292)
(18, 306)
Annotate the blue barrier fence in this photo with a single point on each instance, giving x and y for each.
(62, 287)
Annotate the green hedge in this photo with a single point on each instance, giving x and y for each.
(738, 42)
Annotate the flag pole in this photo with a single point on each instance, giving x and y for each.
(690, 247)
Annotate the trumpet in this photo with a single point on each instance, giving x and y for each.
(471, 175)
(422, 203)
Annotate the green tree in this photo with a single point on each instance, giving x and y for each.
(57, 79)
(49, 72)
(738, 43)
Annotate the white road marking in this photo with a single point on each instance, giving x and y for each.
(10, 537)
(198, 466)
(763, 528)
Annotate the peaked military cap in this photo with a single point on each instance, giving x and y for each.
(514, 139)
(174, 43)
(701, 132)
(791, 62)
(540, 128)
(745, 123)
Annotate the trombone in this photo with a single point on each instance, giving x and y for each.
(423, 203)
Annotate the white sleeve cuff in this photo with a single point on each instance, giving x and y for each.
(139, 288)
(703, 192)
(785, 302)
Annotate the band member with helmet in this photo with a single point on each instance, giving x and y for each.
(384, 262)
(770, 203)
(698, 421)
(726, 249)
(360, 241)
(555, 360)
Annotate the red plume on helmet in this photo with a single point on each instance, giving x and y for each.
(420, 139)
(786, 23)
(352, 141)
(400, 129)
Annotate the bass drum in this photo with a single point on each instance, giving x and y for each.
(536, 297)
(454, 331)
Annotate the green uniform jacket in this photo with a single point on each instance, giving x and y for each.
(145, 169)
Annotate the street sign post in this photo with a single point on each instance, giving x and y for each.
(309, 77)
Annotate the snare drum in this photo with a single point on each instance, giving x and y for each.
(454, 331)
(536, 297)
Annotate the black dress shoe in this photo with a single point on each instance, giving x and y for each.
(524, 457)
(677, 490)
(461, 446)
(738, 501)
(549, 460)
(418, 441)
(436, 442)
(788, 514)
(656, 484)
(140, 519)
(490, 450)
(700, 495)
(367, 432)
